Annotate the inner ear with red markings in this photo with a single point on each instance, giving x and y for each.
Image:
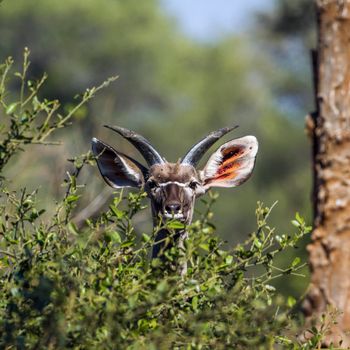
(232, 164)
(118, 169)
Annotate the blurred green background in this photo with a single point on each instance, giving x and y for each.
(174, 87)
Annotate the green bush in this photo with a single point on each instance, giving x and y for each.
(95, 287)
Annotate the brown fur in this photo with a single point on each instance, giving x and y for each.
(173, 172)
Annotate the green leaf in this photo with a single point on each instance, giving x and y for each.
(270, 288)
(229, 259)
(204, 246)
(291, 301)
(73, 228)
(295, 223)
(117, 212)
(163, 286)
(176, 225)
(72, 198)
(127, 244)
(195, 303)
(11, 108)
(257, 243)
(296, 261)
(299, 218)
(115, 236)
(145, 237)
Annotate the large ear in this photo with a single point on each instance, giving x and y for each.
(117, 169)
(231, 164)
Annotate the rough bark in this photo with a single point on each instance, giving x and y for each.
(329, 252)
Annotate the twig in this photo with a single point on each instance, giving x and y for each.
(8, 254)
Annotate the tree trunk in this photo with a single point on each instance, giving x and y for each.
(329, 252)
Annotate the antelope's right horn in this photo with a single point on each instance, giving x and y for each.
(142, 145)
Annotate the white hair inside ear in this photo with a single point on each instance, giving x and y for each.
(117, 169)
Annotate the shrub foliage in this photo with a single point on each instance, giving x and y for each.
(95, 287)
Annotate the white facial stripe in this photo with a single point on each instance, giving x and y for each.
(173, 182)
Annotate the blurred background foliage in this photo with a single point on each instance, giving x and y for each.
(173, 89)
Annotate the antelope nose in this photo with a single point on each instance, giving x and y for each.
(173, 208)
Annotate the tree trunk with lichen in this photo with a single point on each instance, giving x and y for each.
(329, 252)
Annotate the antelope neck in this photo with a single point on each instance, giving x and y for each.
(160, 244)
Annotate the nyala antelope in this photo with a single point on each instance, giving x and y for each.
(173, 187)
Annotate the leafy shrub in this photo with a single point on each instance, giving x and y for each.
(96, 288)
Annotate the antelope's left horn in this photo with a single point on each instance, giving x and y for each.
(194, 155)
(142, 145)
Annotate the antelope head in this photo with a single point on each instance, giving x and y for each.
(173, 187)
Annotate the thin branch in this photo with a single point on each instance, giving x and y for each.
(8, 254)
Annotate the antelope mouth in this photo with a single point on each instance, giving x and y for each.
(177, 216)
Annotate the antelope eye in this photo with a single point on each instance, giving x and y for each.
(193, 185)
(151, 184)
